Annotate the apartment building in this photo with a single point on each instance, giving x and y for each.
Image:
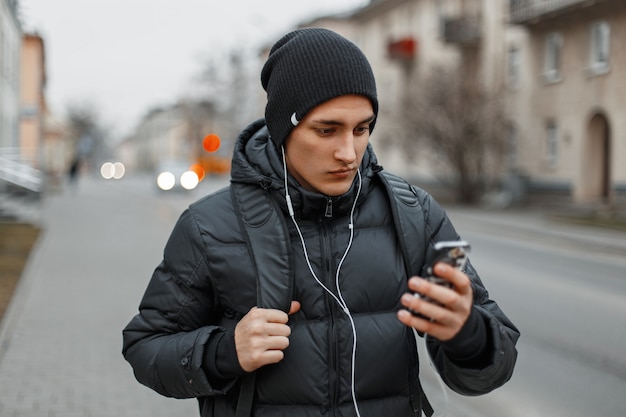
(560, 63)
(32, 99)
(407, 41)
(567, 78)
(10, 43)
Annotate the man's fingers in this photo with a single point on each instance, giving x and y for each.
(445, 309)
(423, 325)
(271, 356)
(260, 338)
(438, 293)
(268, 315)
(424, 307)
(457, 278)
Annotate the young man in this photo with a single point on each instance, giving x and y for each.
(315, 317)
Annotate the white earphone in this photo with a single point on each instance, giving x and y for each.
(339, 297)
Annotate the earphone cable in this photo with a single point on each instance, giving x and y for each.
(345, 254)
(338, 298)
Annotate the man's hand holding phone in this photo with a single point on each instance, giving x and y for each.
(440, 304)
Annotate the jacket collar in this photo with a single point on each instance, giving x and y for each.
(257, 160)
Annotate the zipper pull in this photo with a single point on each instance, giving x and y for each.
(329, 208)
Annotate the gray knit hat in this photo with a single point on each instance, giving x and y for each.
(307, 67)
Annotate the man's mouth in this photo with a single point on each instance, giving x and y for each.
(342, 171)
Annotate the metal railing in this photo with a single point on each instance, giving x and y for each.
(463, 30)
(14, 170)
(526, 10)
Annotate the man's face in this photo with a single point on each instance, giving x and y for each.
(324, 151)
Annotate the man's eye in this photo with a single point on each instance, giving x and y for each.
(361, 130)
(325, 132)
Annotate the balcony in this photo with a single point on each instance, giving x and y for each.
(404, 49)
(526, 12)
(464, 31)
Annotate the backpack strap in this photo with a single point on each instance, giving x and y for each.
(405, 206)
(265, 232)
(263, 227)
(246, 395)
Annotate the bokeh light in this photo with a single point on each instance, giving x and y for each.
(189, 180)
(118, 170)
(107, 170)
(166, 181)
(211, 142)
(111, 170)
(197, 168)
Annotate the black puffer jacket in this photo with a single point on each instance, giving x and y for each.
(181, 343)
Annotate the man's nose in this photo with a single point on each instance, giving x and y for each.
(345, 150)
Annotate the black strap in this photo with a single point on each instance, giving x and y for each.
(246, 395)
(427, 408)
(405, 206)
(263, 227)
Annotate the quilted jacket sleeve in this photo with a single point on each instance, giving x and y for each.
(497, 365)
(165, 343)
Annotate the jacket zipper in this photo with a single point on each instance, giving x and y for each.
(332, 308)
(329, 208)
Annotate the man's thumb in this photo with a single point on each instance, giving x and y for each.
(295, 307)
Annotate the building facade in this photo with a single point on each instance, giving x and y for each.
(567, 77)
(407, 43)
(561, 65)
(32, 99)
(10, 43)
(176, 133)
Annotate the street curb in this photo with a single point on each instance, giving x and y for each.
(543, 227)
(20, 294)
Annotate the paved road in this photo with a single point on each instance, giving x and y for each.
(60, 341)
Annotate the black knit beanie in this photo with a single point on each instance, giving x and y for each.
(307, 67)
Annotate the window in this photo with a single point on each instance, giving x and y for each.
(551, 143)
(511, 146)
(514, 65)
(552, 64)
(600, 36)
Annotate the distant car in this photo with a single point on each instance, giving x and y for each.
(175, 175)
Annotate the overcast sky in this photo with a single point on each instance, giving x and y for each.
(125, 56)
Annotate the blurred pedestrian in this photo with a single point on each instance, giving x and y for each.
(74, 171)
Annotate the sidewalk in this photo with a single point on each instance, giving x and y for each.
(60, 341)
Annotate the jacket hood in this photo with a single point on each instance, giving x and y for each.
(257, 160)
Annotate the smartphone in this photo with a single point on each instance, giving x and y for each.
(453, 253)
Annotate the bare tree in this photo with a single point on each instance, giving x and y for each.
(462, 124)
(225, 81)
(87, 133)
